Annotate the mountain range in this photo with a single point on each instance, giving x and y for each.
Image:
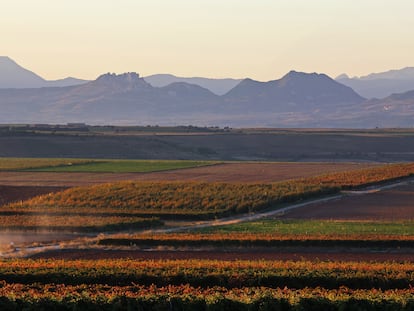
(13, 75)
(217, 86)
(380, 85)
(296, 100)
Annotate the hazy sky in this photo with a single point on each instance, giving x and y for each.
(260, 39)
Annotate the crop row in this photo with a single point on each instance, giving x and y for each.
(192, 199)
(261, 240)
(316, 228)
(184, 297)
(207, 273)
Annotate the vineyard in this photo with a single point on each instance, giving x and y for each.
(200, 200)
(251, 240)
(205, 285)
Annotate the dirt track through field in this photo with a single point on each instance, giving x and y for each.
(387, 205)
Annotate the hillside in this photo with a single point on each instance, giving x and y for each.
(297, 99)
(255, 145)
(383, 84)
(217, 86)
(13, 75)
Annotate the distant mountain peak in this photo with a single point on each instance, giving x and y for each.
(296, 79)
(12, 75)
(218, 86)
(303, 75)
(125, 81)
(381, 84)
(342, 76)
(126, 77)
(294, 88)
(248, 81)
(6, 59)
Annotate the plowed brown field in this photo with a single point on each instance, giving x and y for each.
(17, 193)
(228, 172)
(386, 205)
(15, 186)
(232, 255)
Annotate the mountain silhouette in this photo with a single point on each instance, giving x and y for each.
(381, 85)
(294, 91)
(296, 100)
(13, 75)
(217, 86)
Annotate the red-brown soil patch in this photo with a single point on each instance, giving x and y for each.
(10, 194)
(253, 172)
(233, 255)
(387, 205)
(228, 172)
(61, 179)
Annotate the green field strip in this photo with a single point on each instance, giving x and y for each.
(23, 164)
(316, 227)
(124, 166)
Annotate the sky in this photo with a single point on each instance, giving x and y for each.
(259, 39)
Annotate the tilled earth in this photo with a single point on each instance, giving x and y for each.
(10, 194)
(388, 205)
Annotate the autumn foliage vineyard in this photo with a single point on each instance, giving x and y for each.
(126, 284)
(202, 200)
(205, 285)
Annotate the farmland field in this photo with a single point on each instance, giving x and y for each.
(226, 172)
(381, 145)
(296, 261)
(205, 285)
(18, 193)
(122, 166)
(387, 205)
(298, 254)
(118, 202)
(94, 165)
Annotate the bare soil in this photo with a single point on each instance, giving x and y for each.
(16, 186)
(228, 172)
(231, 255)
(252, 172)
(10, 194)
(387, 205)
